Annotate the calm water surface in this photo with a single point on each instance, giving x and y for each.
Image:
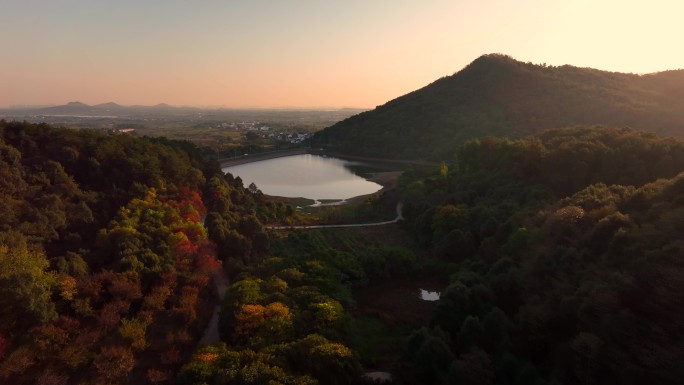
(427, 295)
(306, 176)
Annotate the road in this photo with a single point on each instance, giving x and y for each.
(399, 217)
(211, 333)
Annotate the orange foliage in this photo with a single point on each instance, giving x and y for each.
(277, 309)
(18, 361)
(67, 287)
(249, 318)
(206, 261)
(48, 337)
(114, 363)
(186, 303)
(207, 356)
(125, 286)
(90, 286)
(185, 248)
(69, 324)
(109, 316)
(156, 299)
(189, 204)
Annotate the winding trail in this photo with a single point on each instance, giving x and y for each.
(400, 217)
(211, 333)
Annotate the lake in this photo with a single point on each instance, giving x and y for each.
(306, 176)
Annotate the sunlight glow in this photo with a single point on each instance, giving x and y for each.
(307, 53)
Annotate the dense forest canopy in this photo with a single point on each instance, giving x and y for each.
(105, 265)
(104, 260)
(499, 96)
(567, 260)
(564, 254)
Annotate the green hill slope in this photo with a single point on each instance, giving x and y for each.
(497, 95)
(567, 260)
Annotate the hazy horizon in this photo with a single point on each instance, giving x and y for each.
(305, 54)
(207, 107)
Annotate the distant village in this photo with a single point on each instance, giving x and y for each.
(282, 135)
(266, 131)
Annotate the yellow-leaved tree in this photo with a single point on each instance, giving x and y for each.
(26, 286)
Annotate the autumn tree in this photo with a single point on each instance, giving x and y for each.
(26, 286)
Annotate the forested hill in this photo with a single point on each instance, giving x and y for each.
(567, 260)
(105, 265)
(499, 96)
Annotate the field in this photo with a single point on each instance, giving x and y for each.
(226, 132)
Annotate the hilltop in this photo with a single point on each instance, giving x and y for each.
(497, 95)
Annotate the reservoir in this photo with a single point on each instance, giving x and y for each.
(306, 176)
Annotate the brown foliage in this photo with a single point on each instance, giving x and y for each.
(114, 363)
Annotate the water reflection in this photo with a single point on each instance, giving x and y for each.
(426, 295)
(306, 176)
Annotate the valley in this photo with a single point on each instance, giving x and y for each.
(518, 224)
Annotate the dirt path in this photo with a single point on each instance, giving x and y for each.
(211, 333)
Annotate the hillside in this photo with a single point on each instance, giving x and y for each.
(562, 252)
(566, 256)
(497, 95)
(105, 265)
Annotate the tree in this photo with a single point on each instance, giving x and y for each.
(134, 330)
(25, 287)
(329, 362)
(262, 325)
(114, 363)
(473, 368)
(433, 358)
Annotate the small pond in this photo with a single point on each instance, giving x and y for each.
(427, 295)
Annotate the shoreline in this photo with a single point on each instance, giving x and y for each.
(250, 158)
(236, 161)
(386, 179)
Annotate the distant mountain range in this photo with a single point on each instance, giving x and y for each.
(499, 96)
(114, 110)
(104, 109)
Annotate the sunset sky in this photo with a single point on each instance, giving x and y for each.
(307, 53)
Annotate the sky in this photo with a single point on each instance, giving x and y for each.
(307, 53)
